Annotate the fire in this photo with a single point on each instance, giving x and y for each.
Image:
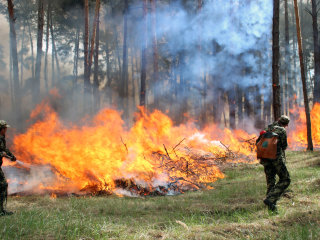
(298, 137)
(53, 196)
(103, 155)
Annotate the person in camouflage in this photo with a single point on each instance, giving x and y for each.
(4, 152)
(277, 167)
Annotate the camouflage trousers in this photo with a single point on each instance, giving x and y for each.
(271, 169)
(3, 190)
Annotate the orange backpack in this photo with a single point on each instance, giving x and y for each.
(267, 146)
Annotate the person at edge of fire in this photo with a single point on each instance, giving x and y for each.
(277, 166)
(4, 152)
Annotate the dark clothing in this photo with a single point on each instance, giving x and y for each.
(3, 148)
(271, 169)
(276, 167)
(3, 190)
(3, 181)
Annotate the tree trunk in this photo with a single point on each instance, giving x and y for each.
(54, 49)
(133, 80)
(52, 62)
(109, 79)
(86, 48)
(316, 91)
(32, 50)
(22, 50)
(303, 77)
(275, 61)
(47, 47)
(117, 50)
(14, 54)
(144, 57)
(287, 65)
(158, 88)
(294, 75)
(36, 82)
(108, 91)
(94, 27)
(11, 79)
(203, 78)
(76, 59)
(96, 93)
(124, 77)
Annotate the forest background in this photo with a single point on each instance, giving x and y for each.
(209, 61)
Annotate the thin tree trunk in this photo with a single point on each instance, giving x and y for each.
(203, 78)
(96, 93)
(86, 48)
(117, 51)
(288, 80)
(47, 47)
(32, 50)
(22, 50)
(158, 88)
(14, 54)
(109, 79)
(124, 77)
(144, 57)
(295, 76)
(132, 79)
(76, 59)
(303, 77)
(275, 61)
(316, 91)
(52, 63)
(93, 37)
(11, 78)
(54, 49)
(36, 82)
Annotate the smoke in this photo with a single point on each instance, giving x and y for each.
(22, 180)
(228, 42)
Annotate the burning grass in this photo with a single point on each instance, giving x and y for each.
(153, 157)
(232, 210)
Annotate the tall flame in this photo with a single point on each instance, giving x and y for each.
(298, 137)
(98, 155)
(104, 155)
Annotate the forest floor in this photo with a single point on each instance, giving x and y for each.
(232, 210)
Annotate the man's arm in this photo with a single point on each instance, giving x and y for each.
(283, 139)
(6, 152)
(10, 154)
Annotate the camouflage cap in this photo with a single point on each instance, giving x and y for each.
(284, 120)
(4, 124)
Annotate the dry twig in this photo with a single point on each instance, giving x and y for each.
(125, 145)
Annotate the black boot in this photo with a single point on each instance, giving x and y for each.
(3, 199)
(5, 213)
(271, 206)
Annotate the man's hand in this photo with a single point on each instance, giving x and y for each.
(3, 154)
(13, 159)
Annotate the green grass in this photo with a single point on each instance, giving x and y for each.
(232, 210)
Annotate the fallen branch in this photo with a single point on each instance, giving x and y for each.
(125, 145)
(166, 151)
(178, 144)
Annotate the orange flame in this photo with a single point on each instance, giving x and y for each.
(103, 154)
(298, 137)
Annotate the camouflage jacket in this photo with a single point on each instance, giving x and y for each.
(3, 148)
(281, 131)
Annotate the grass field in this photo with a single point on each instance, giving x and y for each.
(232, 210)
